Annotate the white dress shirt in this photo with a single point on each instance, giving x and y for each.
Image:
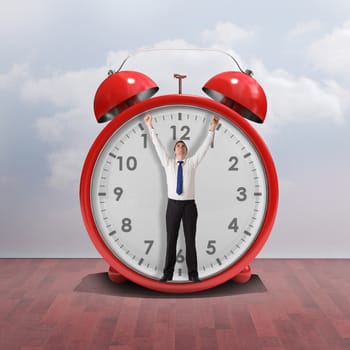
(189, 167)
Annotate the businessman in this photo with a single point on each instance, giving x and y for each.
(180, 175)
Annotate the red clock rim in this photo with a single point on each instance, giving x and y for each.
(142, 107)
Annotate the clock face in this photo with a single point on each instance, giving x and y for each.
(128, 192)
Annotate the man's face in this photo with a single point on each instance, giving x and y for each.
(180, 151)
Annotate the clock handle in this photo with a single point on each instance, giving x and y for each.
(115, 276)
(247, 71)
(244, 275)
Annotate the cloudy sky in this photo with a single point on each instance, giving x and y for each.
(54, 54)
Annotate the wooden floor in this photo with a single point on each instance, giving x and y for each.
(70, 304)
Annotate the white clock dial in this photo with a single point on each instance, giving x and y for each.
(129, 193)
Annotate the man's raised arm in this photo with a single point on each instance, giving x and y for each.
(202, 150)
(161, 152)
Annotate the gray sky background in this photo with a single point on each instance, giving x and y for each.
(54, 54)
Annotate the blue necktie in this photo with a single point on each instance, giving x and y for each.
(179, 178)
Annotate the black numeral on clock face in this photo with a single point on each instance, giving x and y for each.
(233, 225)
(130, 163)
(150, 244)
(145, 139)
(242, 191)
(185, 129)
(234, 161)
(180, 257)
(118, 191)
(126, 225)
(211, 249)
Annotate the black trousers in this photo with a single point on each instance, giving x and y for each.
(185, 211)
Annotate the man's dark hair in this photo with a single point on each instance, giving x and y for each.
(180, 141)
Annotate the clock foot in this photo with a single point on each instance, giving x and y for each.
(115, 276)
(244, 275)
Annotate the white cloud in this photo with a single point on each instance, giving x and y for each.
(69, 127)
(299, 99)
(70, 135)
(304, 28)
(14, 77)
(65, 167)
(331, 53)
(227, 34)
(64, 90)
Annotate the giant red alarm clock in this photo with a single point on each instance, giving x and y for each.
(123, 191)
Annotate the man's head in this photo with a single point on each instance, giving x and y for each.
(180, 150)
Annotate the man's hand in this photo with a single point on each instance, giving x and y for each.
(214, 123)
(148, 121)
